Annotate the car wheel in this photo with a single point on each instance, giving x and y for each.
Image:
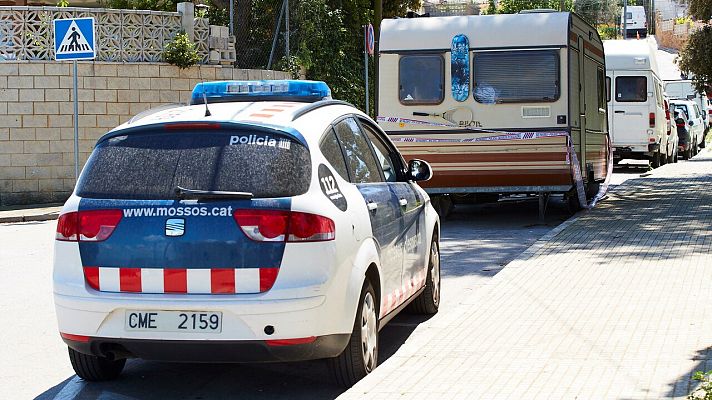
(360, 356)
(663, 158)
(428, 301)
(93, 368)
(675, 156)
(686, 154)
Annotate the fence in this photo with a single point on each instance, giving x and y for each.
(122, 35)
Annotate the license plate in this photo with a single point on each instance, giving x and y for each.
(173, 321)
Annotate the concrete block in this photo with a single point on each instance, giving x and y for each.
(95, 82)
(95, 108)
(127, 70)
(47, 107)
(118, 108)
(57, 95)
(86, 69)
(180, 84)
(69, 184)
(23, 160)
(47, 133)
(24, 185)
(254, 74)
(67, 133)
(139, 83)
(61, 146)
(32, 94)
(136, 108)
(34, 121)
(46, 82)
(50, 159)
(105, 95)
(107, 121)
(4, 133)
(8, 68)
(66, 82)
(36, 69)
(160, 83)
(105, 69)
(57, 69)
(240, 74)
(60, 121)
(10, 147)
(63, 171)
(148, 71)
(36, 146)
(10, 121)
(223, 73)
(20, 108)
(12, 173)
(5, 160)
(85, 148)
(168, 96)
(117, 83)
(3, 82)
(5, 185)
(9, 94)
(169, 71)
(50, 185)
(126, 96)
(87, 121)
(38, 172)
(67, 108)
(148, 96)
(21, 82)
(185, 96)
(22, 133)
(93, 133)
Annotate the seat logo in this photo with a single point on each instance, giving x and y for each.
(175, 227)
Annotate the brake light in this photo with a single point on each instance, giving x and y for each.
(651, 120)
(87, 226)
(191, 125)
(284, 226)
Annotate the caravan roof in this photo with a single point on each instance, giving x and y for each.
(631, 54)
(484, 31)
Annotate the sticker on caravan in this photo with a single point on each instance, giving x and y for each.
(460, 68)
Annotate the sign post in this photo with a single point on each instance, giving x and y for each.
(74, 39)
(368, 50)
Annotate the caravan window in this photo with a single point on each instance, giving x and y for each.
(421, 79)
(608, 88)
(631, 89)
(516, 77)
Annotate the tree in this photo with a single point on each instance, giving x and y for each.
(515, 6)
(696, 57)
(491, 8)
(597, 12)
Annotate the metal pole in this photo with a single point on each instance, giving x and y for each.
(274, 39)
(625, 19)
(365, 63)
(286, 26)
(76, 125)
(378, 16)
(232, 17)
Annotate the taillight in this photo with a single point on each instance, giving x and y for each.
(87, 226)
(284, 226)
(651, 120)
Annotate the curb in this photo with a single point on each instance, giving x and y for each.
(29, 218)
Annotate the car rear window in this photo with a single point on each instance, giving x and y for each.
(150, 165)
(631, 89)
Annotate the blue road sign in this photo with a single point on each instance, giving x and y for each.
(74, 39)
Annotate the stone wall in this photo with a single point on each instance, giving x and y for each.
(36, 113)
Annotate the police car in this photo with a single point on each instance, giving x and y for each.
(263, 222)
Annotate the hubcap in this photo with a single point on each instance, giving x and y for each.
(435, 273)
(369, 332)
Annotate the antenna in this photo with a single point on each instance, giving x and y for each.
(205, 96)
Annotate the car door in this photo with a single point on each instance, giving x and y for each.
(383, 206)
(411, 237)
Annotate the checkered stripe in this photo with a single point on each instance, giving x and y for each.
(172, 280)
(406, 291)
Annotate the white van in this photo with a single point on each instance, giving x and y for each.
(636, 23)
(636, 110)
(685, 89)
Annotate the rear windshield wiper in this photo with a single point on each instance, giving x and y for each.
(183, 193)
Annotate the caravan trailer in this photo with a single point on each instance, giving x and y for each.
(492, 102)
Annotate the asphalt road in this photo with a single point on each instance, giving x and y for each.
(477, 242)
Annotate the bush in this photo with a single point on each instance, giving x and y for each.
(704, 390)
(181, 52)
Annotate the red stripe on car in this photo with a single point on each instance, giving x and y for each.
(222, 280)
(130, 279)
(175, 281)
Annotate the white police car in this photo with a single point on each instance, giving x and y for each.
(272, 224)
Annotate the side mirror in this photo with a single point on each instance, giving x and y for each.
(419, 170)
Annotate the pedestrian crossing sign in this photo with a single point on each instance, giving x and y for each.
(74, 39)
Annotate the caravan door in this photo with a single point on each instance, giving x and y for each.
(631, 97)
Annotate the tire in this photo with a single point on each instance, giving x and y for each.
(93, 368)
(675, 156)
(428, 301)
(663, 158)
(655, 160)
(687, 154)
(360, 356)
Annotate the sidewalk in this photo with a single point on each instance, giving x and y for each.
(615, 304)
(29, 213)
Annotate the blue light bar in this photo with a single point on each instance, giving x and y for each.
(276, 90)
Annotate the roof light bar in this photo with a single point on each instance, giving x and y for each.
(276, 90)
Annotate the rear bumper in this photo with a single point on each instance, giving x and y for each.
(635, 151)
(211, 350)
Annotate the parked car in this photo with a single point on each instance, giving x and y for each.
(264, 222)
(683, 133)
(636, 22)
(694, 122)
(671, 151)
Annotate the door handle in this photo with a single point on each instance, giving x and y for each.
(403, 202)
(371, 205)
(619, 112)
